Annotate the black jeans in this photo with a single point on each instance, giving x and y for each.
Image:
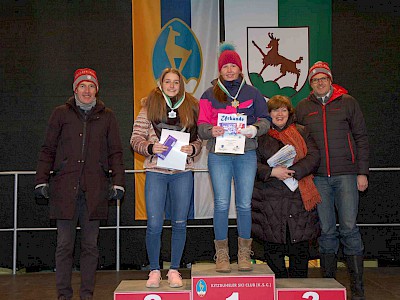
(66, 232)
(298, 254)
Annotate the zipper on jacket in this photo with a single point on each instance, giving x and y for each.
(328, 168)
(82, 160)
(351, 148)
(83, 139)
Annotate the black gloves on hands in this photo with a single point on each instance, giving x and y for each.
(116, 193)
(41, 193)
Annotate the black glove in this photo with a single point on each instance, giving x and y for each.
(42, 194)
(116, 193)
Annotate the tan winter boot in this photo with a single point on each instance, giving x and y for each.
(244, 253)
(221, 256)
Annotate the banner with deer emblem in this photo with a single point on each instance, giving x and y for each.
(278, 41)
(277, 59)
(298, 31)
(168, 33)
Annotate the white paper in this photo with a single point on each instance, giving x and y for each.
(291, 183)
(176, 159)
(285, 157)
(232, 141)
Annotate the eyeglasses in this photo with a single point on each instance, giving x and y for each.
(322, 79)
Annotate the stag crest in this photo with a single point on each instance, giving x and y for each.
(273, 58)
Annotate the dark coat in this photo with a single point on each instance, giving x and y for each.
(80, 153)
(274, 205)
(340, 132)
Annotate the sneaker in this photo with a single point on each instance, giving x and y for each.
(154, 279)
(174, 278)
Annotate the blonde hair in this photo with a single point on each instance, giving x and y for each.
(279, 101)
(156, 108)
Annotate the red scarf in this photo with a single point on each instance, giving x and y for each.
(308, 190)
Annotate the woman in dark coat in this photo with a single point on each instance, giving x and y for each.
(285, 220)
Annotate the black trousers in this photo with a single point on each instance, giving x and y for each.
(298, 254)
(66, 232)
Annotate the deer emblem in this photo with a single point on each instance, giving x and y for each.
(273, 58)
(174, 51)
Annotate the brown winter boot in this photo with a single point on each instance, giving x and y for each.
(244, 253)
(221, 256)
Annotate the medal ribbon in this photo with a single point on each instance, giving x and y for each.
(224, 89)
(169, 102)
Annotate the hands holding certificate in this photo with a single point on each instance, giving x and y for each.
(217, 131)
(160, 148)
(178, 151)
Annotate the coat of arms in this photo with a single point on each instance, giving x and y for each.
(277, 59)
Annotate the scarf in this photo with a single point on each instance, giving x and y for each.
(308, 190)
(83, 106)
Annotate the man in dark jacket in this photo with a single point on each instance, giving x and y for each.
(82, 145)
(335, 121)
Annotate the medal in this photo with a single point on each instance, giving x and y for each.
(235, 103)
(172, 113)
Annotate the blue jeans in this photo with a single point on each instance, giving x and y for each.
(66, 232)
(242, 168)
(179, 188)
(339, 193)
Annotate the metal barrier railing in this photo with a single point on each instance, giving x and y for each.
(117, 227)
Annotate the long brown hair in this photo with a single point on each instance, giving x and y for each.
(157, 110)
(220, 94)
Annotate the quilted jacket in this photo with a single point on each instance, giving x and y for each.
(274, 206)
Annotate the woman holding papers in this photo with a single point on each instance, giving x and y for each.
(230, 95)
(169, 107)
(285, 220)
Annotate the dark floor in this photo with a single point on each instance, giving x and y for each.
(380, 283)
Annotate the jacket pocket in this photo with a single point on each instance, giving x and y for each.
(351, 148)
(60, 167)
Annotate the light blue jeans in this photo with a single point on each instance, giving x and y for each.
(179, 188)
(339, 193)
(242, 168)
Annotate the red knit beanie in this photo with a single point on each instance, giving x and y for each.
(317, 68)
(228, 55)
(85, 74)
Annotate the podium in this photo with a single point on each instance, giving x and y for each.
(258, 284)
(309, 288)
(136, 289)
(254, 285)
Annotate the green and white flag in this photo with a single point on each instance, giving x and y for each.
(278, 41)
(291, 35)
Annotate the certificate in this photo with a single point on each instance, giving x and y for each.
(175, 158)
(232, 141)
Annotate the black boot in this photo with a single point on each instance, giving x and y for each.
(275, 258)
(328, 265)
(355, 265)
